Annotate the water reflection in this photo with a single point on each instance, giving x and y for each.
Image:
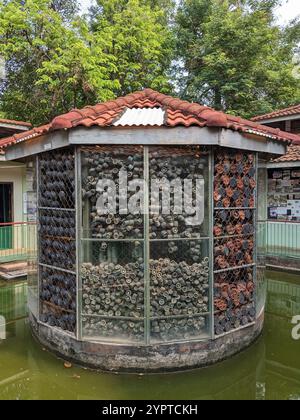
(270, 369)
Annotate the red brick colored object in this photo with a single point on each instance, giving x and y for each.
(177, 113)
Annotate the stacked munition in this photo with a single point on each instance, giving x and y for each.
(113, 290)
(192, 250)
(178, 329)
(102, 165)
(58, 298)
(57, 233)
(171, 169)
(57, 179)
(235, 180)
(179, 293)
(55, 223)
(107, 165)
(234, 318)
(58, 252)
(233, 252)
(58, 318)
(113, 300)
(178, 288)
(115, 329)
(117, 291)
(234, 289)
(233, 223)
(57, 238)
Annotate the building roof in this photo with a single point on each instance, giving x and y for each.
(175, 113)
(287, 112)
(4, 121)
(11, 127)
(292, 155)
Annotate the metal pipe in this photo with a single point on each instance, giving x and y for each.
(211, 242)
(147, 321)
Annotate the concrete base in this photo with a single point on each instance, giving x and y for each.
(145, 359)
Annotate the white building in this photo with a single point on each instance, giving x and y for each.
(12, 198)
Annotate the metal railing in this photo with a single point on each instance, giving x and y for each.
(283, 298)
(283, 239)
(16, 241)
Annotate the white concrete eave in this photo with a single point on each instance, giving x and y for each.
(150, 136)
(15, 127)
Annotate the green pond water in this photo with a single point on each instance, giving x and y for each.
(270, 369)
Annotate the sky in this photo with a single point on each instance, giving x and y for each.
(289, 10)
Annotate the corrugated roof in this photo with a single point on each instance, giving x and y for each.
(286, 112)
(141, 117)
(178, 113)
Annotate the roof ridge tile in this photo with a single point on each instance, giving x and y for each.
(278, 113)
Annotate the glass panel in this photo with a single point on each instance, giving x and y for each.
(234, 179)
(179, 263)
(180, 328)
(113, 287)
(234, 299)
(33, 289)
(112, 252)
(179, 286)
(113, 330)
(57, 239)
(233, 252)
(31, 233)
(58, 298)
(261, 237)
(111, 183)
(262, 186)
(179, 192)
(234, 239)
(57, 179)
(261, 289)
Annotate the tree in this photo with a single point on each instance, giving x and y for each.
(55, 60)
(50, 66)
(232, 55)
(138, 38)
(66, 8)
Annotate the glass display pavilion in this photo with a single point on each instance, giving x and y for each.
(150, 219)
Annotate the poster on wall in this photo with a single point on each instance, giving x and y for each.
(284, 194)
(30, 198)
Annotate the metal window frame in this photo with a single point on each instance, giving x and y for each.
(39, 263)
(34, 258)
(147, 243)
(147, 319)
(254, 264)
(211, 240)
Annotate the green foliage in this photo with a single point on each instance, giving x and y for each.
(139, 39)
(55, 61)
(50, 65)
(234, 57)
(66, 8)
(229, 54)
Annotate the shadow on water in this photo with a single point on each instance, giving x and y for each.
(270, 369)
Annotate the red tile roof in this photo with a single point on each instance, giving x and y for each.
(13, 122)
(178, 113)
(292, 155)
(292, 110)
